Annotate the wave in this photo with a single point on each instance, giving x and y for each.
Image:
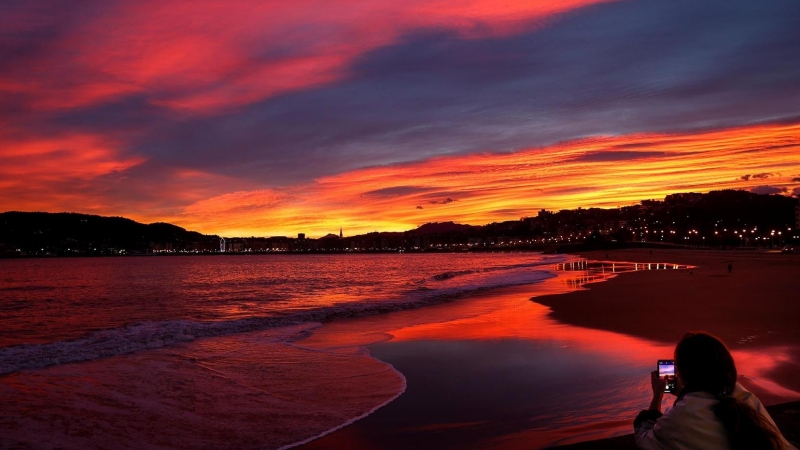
(151, 335)
(457, 273)
(400, 392)
(27, 288)
(448, 275)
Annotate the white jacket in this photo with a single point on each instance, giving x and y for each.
(692, 424)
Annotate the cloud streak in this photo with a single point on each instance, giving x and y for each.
(206, 56)
(490, 187)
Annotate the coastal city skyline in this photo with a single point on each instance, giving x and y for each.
(719, 219)
(385, 117)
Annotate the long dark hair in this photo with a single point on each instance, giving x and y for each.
(705, 365)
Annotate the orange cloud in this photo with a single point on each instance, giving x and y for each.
(596, 172)
(89, 173)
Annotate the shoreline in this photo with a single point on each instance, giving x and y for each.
(560, 248)
(353, 436)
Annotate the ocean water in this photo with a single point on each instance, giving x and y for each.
(67, 310)
(144, 352)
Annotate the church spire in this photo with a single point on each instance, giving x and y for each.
(340, 233)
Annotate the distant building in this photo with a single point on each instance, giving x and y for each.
(330, 242)
(222, 245)
(475, 241)
(278, 243)
(341, 235)
(797, 215)
(301, 236)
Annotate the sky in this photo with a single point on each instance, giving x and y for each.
(259, 118)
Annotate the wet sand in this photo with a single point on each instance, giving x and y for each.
(471, 383)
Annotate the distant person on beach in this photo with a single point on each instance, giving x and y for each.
(712, 410)
(730, 268)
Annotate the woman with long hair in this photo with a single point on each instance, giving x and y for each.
(712, 410)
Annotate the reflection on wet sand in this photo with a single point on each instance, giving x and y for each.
(587, 271)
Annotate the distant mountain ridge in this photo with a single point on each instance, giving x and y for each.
(443, 227)
(95, 234)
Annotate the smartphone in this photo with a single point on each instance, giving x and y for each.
(666, 369)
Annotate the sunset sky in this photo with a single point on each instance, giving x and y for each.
(274, 117)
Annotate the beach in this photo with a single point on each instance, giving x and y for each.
(471, 382)
(468, 351)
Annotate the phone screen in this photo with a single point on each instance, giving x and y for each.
(666, 369)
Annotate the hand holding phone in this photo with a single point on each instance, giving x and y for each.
(666, 370)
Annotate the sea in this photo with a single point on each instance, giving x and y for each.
(227, 351)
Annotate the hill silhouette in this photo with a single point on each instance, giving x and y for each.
(443, 227)
(90, 234)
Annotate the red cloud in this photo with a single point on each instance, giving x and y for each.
(206, 55)
(47, 173)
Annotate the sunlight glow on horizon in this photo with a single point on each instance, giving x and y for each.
(482, 188)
